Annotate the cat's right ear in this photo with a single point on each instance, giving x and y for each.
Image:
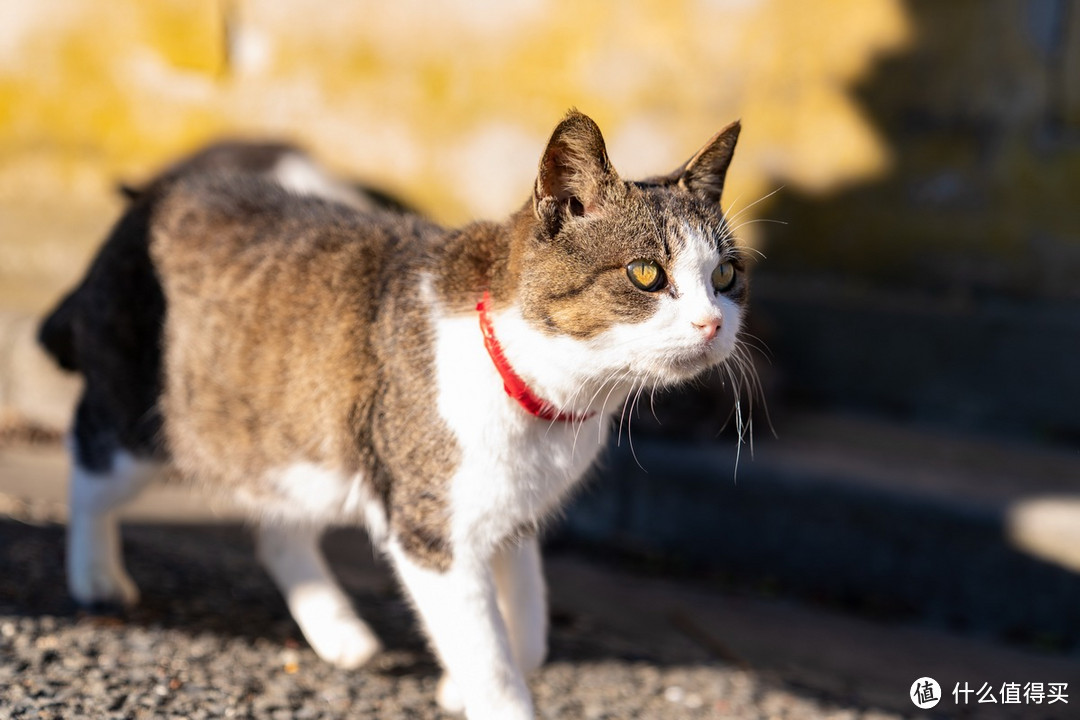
(574, 172)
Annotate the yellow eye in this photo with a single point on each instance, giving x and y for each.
(723, 277)
(646, 275)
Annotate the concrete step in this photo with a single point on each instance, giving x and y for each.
(971, 534)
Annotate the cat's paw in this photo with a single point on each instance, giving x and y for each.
(448, 695)
(98, 587)
(347, 643)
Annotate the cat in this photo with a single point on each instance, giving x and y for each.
(447, 389)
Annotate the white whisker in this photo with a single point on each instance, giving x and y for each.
(622, 413)
(759, 200)
(652, 400)
(753, 221)
(629, 425)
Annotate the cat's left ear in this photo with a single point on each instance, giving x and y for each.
(575, 172)
(704, 173)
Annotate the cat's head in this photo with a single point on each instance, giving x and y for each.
(645, 274)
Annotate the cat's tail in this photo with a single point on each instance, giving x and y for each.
(56, 333)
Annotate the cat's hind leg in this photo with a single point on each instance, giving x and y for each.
(318, 604)
(103, 479)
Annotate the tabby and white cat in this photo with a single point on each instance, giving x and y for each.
(444, 388)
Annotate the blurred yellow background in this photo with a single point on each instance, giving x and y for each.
(446, 104)
(926, 154)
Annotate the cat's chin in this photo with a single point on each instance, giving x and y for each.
(687, 367)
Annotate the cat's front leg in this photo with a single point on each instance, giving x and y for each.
(522, 601)
(459, 609)
(519, 583)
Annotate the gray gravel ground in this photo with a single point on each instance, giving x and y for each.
(212, 638)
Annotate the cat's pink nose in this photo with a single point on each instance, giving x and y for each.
(709, 326)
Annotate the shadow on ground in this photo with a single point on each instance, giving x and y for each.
(213, 637)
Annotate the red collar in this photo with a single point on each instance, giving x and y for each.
(513, 384)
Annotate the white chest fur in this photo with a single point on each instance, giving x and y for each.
(515, 468)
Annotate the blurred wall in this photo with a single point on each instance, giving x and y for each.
(926, 154)
(946, 290)
(981, 115)
(448, 104)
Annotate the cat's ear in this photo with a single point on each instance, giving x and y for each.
(574, 172)
(704, 173)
